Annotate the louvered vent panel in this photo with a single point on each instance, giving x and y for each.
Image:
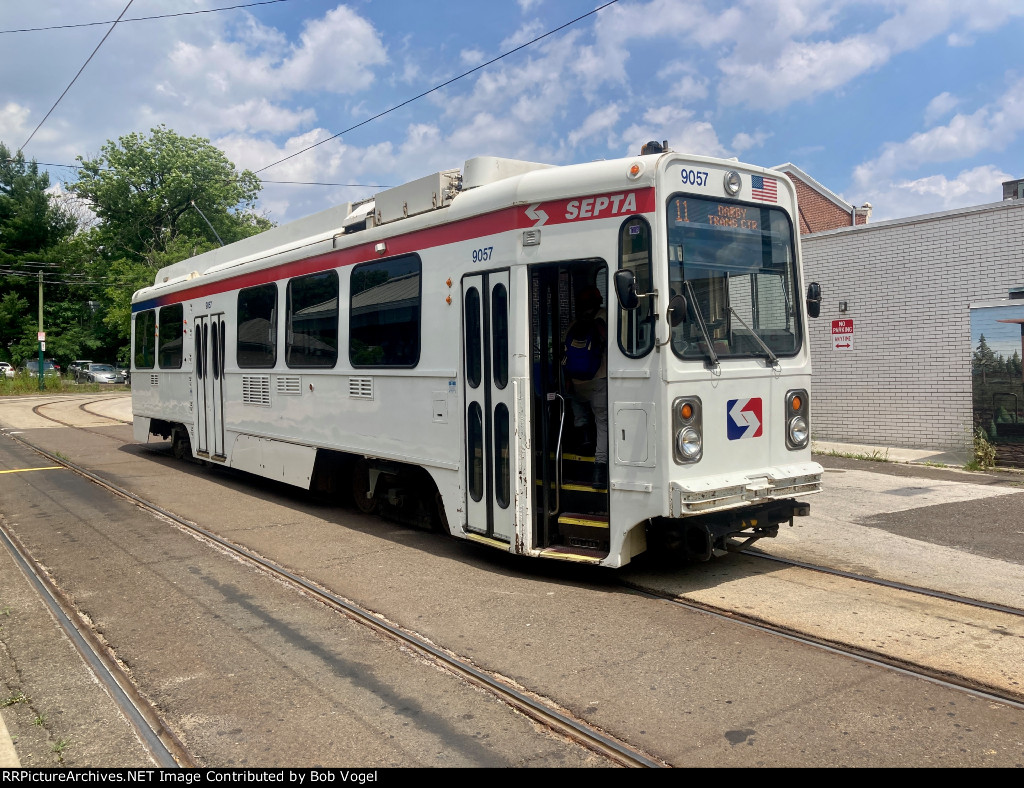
(154, 380)
(360, 388)
(256, 390)
(289, 385)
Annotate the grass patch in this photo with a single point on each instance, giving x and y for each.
(18, 697)
(877, 455)
(23, 385)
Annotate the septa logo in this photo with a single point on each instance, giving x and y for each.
(744, 418)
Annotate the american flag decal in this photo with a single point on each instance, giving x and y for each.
(764, 189)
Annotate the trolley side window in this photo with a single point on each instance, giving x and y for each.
(636, 326)
(145, 339)
(171, 336)
(256, 345)
(384, 319)
(312, 321)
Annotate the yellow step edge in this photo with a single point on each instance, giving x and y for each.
(580, 559)
(486, 540)
(563, 520)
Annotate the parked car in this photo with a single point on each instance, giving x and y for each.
(125, 372)
(32, 368)
(7, 369)
(99, 373)
(76, 365)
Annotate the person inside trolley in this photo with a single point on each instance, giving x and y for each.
(586, 373)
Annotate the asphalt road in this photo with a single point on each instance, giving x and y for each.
(249, 673)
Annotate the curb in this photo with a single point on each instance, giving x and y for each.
(8, 755)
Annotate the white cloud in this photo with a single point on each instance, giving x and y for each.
(744, 141)
(676, 125)
(939, 107)
(600, 121)
(992, 127)
(934, 193)
(471, 57)
(14, 126)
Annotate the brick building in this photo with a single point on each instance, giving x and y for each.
(821, 209)
(908, 286)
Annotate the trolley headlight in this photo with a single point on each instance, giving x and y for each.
(798, 432)
(688, 430)
(732, 183)
(689, 443)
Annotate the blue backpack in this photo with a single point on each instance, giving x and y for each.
(584, 348)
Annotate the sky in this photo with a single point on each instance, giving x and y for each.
(913, 106)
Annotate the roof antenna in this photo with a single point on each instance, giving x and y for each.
(207, 222)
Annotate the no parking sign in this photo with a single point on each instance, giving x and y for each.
(842, 334)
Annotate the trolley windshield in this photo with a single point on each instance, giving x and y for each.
(735, 264)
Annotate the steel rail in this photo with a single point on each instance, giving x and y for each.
(543, 713)
(157, 739)
(943, 679)
(928, 592)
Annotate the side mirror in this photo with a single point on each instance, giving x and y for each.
(625, 289)
(813, 299)
(676, 310)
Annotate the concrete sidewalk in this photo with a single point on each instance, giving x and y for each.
(892, 453)
(8, 755)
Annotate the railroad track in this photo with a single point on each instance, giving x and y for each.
(547, 713)
(542, 711)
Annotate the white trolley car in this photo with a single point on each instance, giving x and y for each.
(407, 350)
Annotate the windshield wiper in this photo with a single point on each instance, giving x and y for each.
(711, 354)
(771, 356)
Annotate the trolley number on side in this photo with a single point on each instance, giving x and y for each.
(696, 177)
(482, 255)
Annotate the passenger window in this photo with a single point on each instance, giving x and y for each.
(145, 339)
(256, 345)
(474, 365)
(384, 319)
(499, 331)
(172, 336)
(312, 321)
(636, 326)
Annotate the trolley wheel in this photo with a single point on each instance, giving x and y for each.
(361, 486)
(181, 446)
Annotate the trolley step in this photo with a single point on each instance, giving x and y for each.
(584, 530)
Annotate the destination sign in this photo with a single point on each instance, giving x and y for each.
(718, 214)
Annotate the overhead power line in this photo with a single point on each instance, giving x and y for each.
(142, 18)
(72, 82)
(438, 87)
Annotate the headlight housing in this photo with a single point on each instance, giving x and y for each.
(798, 430)
(688, 430)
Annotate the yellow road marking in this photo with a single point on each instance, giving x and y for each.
(47, 468)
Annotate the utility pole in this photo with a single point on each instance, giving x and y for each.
(42, 336)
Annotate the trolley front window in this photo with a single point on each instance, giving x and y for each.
(735, 263)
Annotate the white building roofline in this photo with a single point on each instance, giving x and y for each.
(828, 194)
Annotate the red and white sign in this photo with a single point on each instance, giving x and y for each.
(842, 334)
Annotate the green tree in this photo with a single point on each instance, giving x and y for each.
(30, 220)
(984, 360)
(146, 191)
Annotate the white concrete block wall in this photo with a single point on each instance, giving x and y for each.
(908, 284)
